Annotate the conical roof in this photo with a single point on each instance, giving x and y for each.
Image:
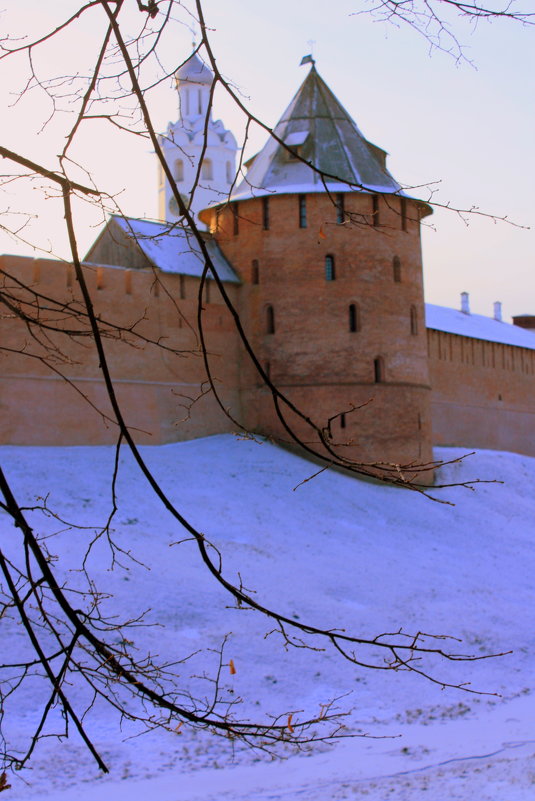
(325, 135)
(194, 71)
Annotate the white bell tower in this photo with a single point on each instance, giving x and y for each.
(183, 144)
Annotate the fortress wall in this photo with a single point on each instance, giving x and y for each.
(483, 393)
(148, 322)
(380, 422)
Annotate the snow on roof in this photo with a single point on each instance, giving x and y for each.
(247, 190)
(476, 326)
(173, 249)
(296, 138)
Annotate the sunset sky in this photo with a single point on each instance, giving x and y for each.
(466, 131)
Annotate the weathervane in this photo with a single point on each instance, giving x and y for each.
(309, 59)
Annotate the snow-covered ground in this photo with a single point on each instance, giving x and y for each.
(337, 552)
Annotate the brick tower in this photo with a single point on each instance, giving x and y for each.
(332, 295)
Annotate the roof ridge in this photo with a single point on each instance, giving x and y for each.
(321, 83)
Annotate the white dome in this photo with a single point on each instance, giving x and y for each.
(194, 71)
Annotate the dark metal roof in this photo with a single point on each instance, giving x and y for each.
(326, 136)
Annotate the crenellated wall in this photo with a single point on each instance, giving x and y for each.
(156, 385)
(330, 299)
(483, 393)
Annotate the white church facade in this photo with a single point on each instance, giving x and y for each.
(200, 151)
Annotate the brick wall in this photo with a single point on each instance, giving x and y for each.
(483, 393)
(156, 384)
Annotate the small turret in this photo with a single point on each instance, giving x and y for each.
(193, 83)
(204, 186)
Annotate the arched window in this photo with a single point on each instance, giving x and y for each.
(228, 169)
(255, 272)
(343, 420)
(340, 208)
(354, 317)
(379, 370)
(396, 269)
(302, 211)
(179, 170)
(375, 210)
(199, 101)
(235, 219)
(414, 320)
(207, 170)
(270, 320)
(329, 268)
(265, 213)
(403, 211)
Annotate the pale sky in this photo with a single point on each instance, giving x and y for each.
(468, 128)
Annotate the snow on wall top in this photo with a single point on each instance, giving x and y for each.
(173, 249)
(477, 326)
(328, 138)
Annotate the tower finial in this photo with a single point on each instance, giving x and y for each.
(193, 32)
(307, 60)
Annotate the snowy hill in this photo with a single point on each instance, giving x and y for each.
(336, 552)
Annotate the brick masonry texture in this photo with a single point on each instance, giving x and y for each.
(313, 356)
(384, 391)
